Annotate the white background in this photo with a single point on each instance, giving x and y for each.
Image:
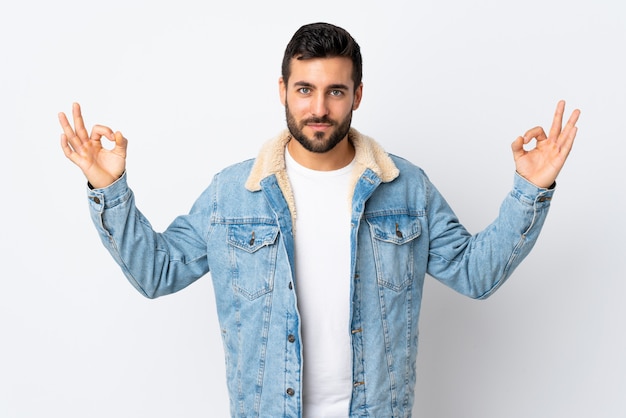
(448, 85)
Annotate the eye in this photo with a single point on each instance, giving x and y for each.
(336, 93)
(304, 90)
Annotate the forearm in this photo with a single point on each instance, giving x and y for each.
(155, 263)
(477, 265)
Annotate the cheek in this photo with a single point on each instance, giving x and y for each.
(342, 111)
(298, 108)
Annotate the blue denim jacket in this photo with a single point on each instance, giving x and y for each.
(241, 230)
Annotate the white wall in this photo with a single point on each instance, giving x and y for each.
(448, 84)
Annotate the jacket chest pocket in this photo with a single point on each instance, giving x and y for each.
(252, 249)
(393, 239)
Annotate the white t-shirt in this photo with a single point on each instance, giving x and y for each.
(322, 283)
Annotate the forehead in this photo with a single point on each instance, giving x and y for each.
(321, 71)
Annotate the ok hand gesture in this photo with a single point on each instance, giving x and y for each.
(100, 165)
(542, 164)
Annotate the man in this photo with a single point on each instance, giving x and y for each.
(319, 247)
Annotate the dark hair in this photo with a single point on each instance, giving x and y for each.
(323, 40)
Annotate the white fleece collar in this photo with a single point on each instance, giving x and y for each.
(271, 160)
(368, 154)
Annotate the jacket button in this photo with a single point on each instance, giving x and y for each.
(290, 286)
(96, 200)
(291, 338)
(291, 392)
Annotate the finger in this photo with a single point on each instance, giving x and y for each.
(518, 147)
(79, 123)
(67, 149)
(567, 142)
(98, 131)
(68, 132)
(65, 124)
(65, 146)
(573, 119)
(537, 132)
(569, 129)
(121, 143)
(557, 121)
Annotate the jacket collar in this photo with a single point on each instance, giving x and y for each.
(368, 154)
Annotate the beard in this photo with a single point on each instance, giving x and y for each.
(318, 144)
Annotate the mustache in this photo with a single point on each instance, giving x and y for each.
(323, 119)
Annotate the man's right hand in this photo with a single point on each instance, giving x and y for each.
(101, 166)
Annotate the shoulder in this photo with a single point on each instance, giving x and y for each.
(407, 168)
(236, 171)
(227, 181)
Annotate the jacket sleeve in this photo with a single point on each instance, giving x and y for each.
(156, 264)
(476, 265)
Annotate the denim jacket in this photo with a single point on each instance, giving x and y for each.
(241, 230)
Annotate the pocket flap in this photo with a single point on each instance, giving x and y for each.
(251, 237)
(396, 229)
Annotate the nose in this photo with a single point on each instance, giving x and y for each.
(319, 106)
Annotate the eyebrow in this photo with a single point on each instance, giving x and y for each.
(331, 87)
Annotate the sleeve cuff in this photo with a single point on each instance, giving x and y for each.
(109, 196)
(531, 194)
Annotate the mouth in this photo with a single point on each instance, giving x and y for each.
(319, 126)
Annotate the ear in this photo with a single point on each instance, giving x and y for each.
(282, 90)
(358, 94)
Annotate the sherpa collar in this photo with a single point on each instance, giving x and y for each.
(368, 154)
(271, 160)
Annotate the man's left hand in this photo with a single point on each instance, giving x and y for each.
(542, 164)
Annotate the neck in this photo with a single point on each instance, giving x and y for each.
(338, 157)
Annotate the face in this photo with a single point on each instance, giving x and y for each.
(319, 98)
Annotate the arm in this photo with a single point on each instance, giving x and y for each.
(477, 265)
(155, 263)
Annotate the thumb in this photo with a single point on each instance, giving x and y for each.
(121, 143)
(518, 147)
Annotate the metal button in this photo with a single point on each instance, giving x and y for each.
(291, 392)
(398, 232)
(252, 239)
(290, 286)
(96, 200)
(291, 338)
